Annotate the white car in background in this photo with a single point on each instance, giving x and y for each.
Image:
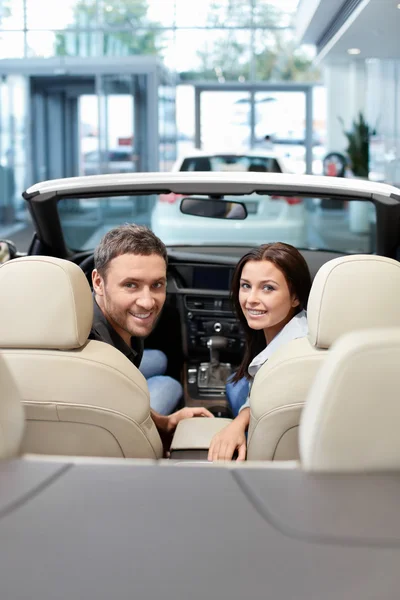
(270, 218)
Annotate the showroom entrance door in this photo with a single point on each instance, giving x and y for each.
(88, 125)
(239, 116)
(55, 125)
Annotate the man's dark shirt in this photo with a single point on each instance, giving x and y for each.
(102, 331)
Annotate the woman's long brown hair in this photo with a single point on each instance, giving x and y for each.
(295, 270)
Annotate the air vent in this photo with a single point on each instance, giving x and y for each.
(226, 305)
(208, 303)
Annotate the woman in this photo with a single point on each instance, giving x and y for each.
(270, 288)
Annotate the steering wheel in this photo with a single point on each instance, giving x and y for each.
(87, 266)
(8, 250)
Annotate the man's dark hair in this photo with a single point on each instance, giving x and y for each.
(127, 239)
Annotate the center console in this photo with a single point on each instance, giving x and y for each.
(214, 344)
(213, 341)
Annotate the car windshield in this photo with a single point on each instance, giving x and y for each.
(228, 162)
(312, 222)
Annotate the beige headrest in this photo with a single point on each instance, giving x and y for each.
(44, 303)
(351, 420)
(11, 414)
(352, 293)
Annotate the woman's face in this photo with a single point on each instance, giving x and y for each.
(265, 298)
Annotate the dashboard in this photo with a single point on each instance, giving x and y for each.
(202, 292)
(203, 277)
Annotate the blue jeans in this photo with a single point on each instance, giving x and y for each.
(165, 392)
(237, 393)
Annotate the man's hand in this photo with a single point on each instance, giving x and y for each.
(185, 413)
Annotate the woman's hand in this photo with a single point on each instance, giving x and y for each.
(231, 438)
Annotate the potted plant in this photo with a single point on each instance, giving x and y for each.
(358, 138)
(358, 146)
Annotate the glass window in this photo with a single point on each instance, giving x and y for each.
(46, 44)
(271, 53)
(282, 116)
(5, 119)
(225, 119)
(12, 14)
(15, 221)
(12, 44)
(328, 223)
(277, 57)
(88, 128)
(229, 13)
(129, 43)
(213, 55)
(162, 12)
(109, 146)
(129, 14)
(185, 118)
(41, 44)
(319, 129)
(274, 14)
(383, 89)
(41, 14)
(167, 126)
(85, 220)
(187, 17)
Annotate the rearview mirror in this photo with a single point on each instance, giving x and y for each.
(215, 209)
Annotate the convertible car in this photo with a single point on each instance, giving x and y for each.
(88, 506)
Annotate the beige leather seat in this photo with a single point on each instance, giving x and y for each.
(81, 397)
(11, 414)
(348, 293)
(351, 418)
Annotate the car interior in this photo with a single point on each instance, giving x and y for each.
(73, 414)
(199, 318)
(84, 468)
(85, 407)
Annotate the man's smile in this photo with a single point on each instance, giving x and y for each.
(142, 316)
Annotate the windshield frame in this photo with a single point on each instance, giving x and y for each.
(49, 231)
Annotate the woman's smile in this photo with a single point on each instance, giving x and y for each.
(256, 313)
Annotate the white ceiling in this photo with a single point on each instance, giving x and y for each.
(313, 17)
(374, 28)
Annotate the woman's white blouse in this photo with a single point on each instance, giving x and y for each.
(296, 328)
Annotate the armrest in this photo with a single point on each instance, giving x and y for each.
(196, 433)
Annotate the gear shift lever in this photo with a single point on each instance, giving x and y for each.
(212, 376)
(216, 343)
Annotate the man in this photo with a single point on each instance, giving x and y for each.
(129, 284)
(267, 143)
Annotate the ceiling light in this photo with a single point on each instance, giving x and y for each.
(398, 6)
(354, 51)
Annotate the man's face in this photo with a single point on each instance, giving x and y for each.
(132, 293)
